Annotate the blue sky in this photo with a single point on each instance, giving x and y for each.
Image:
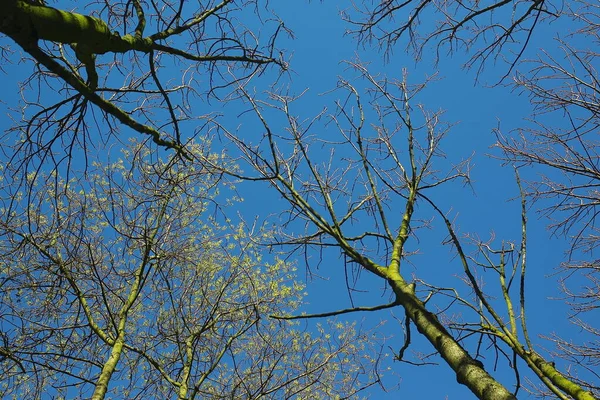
(487, 208)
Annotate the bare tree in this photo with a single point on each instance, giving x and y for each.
(560, 141)
(365, 190)
(124, 284)
(488, 31)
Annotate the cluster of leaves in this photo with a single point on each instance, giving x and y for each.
(131, 262)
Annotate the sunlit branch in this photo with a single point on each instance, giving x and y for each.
(73, 283)
(137, 285)
(366, 165)
(464, 261)
(546, 372)
(523, 254)
(221, 354)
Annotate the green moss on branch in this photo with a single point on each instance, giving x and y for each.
(27, 23)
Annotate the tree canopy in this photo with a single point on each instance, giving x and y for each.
(132, 267)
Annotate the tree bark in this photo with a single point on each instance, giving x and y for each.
(27, 23)
(469, 372)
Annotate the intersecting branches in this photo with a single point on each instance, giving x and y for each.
(141, 79)
(353, 186)
(564, 147)
(561, 141)
(509, 325)
(124, 279)
(488, 30)
(356, 172)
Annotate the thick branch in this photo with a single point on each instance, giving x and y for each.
(28, 23)
(469, 371)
